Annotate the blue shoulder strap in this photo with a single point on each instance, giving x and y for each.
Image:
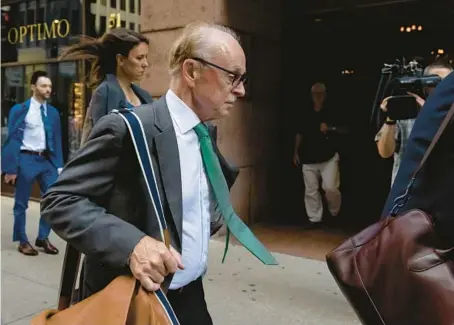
(139, 140)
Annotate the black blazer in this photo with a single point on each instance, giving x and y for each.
(106, 97)
(98, 204)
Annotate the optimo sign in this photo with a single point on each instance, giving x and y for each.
(42, 31)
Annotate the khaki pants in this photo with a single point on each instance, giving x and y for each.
(329, 174)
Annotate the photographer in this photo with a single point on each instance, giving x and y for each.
(393, 136)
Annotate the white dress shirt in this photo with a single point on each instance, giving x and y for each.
(198, 203)
(34, 133)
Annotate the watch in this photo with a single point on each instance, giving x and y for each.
(388, 121)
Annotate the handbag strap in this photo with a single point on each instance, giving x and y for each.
(72, 256)
(139, 141)
(400, 201)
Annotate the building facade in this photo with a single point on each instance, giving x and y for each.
(35, 32)
(289, 45)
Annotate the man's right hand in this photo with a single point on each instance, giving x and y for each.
(296, 160)
(151, 261)
(384, 104)
(10, 178)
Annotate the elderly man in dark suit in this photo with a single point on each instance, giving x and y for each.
(99, 203)
(432, 190)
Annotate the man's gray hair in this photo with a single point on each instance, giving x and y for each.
(197, 40)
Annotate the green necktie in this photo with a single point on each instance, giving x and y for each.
(222, 195)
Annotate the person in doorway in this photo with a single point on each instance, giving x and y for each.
(393, 136)
(120, 59)
(99, 204)
(32, 151)
(316, 155)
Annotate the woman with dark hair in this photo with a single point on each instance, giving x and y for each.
(119, 59)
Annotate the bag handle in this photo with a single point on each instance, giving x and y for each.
(400, 201)
(72, 256)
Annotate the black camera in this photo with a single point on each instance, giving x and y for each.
(397, 80)
(408, 78)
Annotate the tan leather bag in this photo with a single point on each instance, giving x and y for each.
(123, 301)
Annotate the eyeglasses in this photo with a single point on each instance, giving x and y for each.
(237, 78)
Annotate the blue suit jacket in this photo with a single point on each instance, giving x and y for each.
(432, 190)
(16, 126)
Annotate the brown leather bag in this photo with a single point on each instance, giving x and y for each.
(397, 271)
(123, 301)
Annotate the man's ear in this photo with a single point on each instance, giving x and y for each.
(120, 60)
(190, 71)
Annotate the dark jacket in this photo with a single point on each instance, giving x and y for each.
(98, 204)
(432, 191)
(106, 97)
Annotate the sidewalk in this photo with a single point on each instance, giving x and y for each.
(240, 291)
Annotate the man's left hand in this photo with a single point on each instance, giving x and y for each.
(419, 100)
(324, 127)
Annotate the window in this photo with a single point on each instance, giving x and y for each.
(103, 22)
(40, 18)
(131, 5)
(75, 20)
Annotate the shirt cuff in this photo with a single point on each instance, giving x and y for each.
(59, 170)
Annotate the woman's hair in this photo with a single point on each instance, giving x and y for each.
(103, 51)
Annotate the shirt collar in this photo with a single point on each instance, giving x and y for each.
(184, 117)
(36, 103)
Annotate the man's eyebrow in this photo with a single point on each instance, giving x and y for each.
(237, 69)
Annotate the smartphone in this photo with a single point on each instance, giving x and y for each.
(402, 107)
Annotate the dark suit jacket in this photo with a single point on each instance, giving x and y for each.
(433, 189)
(99, 205)
(106, 97)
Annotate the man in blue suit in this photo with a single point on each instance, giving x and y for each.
(432, 189)
(32, 151)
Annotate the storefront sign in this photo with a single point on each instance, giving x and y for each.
(58, 28)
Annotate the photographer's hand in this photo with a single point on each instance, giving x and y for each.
(419, 100)
(384, 104)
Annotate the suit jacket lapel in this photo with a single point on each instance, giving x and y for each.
(116, 98)
(143, 95)
(169, 163)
